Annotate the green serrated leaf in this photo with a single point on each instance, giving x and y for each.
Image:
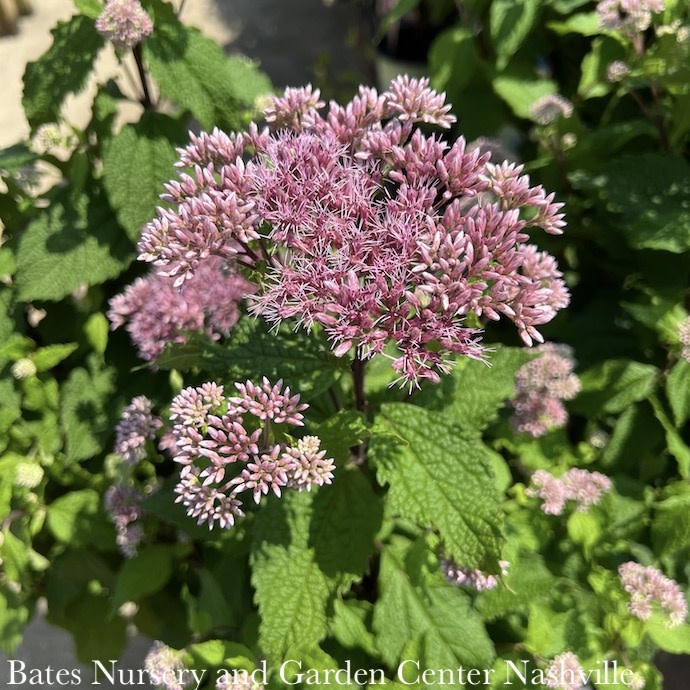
(348, 625)
(678, 391)
(75, 241)
(136, 164)
(14, 158)
(647, 197)
(440, 476)
(76, 518)
(613, 386)
(474, 392)
(671, 526)
(45, 358)
(511, 21)
(192, 70)
(144, 574)
(593, 81)
(307, 548)
(302, 360)
(61, 70)
(86, 415)
(675, 443)
(415, 604)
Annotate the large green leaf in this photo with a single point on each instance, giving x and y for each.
(145, 573)
(60, 71)
(474, 393)
(75, 241)
(613, 386)
(136, 163)
(647, 197)
(303, 361)
(452, 58)
(86, 415)
(76, 518)
(308, 547)
(671, 525)
(418, 605)
(440, 476)
(192, 70)
(678, 391)
(511, 21)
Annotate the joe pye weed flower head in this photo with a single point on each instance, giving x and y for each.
(362, 224)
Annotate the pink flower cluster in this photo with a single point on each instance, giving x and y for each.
(364, 225)
(155, 312)
(547, 109)
(124, 23)
(223, 446)
(583, 487)
(122, 504)
(650, 589)
(629, 16)
(469, 577)
(165, 668)
(137, 425)
(541, 386)
(564, 672)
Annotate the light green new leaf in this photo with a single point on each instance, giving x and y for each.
(520, 94)
(89, 8)
(440, 477)
(672, 640)
(415, 604)
(75, 241)
(61, 70)
(511, 21)
(45, 358)
(76, 517)
(307, 547)
(136, 164)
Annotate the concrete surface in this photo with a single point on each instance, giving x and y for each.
(295, 41)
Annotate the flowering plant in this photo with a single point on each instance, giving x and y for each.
(366, 411)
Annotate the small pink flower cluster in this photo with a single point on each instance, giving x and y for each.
(684, 337)
(629, 16)
(367, 227)
(216, 436)
(165, 668)
(564, 673)
(122, 504)
(583, 487)
(541, 385)
(137, 425)
(156, 312)
(469, 577)
(648, 586)
(124, 23)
